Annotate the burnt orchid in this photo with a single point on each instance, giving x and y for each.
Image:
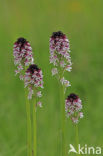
(73, 107)
(23, 56)
(33, 80)
(32, 76)
(60, 56)
(61, 60)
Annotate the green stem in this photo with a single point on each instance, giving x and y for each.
(77, 138)
(62, 119)
(34, 129)
(29, 138)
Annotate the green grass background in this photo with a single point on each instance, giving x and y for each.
(82, 21)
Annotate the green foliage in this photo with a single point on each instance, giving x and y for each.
(82, 21)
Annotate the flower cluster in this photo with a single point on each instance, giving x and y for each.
(29, 72)
(22, 52)
(34, 81)
(60, 54)
(73, 107)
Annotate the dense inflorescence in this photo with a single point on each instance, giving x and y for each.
(23, 56)
(29, 72)
(73, 106)
(34, 81)
(60, 56)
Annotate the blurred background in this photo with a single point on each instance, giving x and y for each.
(82, 22)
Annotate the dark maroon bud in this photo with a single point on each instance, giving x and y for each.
(32, 68)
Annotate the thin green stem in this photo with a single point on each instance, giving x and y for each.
(63, 119)
(77, 138)
(29, 137)
(34, 129)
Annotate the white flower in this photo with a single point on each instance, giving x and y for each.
(54, 71)
(81, 115)
(39, 94)
(21, 77)
(64, 82)
(67, 83)
(39, 104)
(62, 64)
(20, 67)
(16, 72)
(68, 68)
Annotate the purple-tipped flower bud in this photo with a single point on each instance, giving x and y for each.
(60, 53)
(73, 106)
(59, 42)
(33, 80)
(22, 52)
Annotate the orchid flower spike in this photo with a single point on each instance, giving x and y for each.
(73, 107)
(23, 56)
(60, 56)
(33, 80)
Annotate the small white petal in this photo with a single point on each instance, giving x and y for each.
(81, 115)
(39, 94)
(39, 104)
(54, 71)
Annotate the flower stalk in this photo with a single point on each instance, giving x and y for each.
(60, 58)
(29, 132)
(77, 137)
(63, 119)
(34, 129)
(33, 82)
